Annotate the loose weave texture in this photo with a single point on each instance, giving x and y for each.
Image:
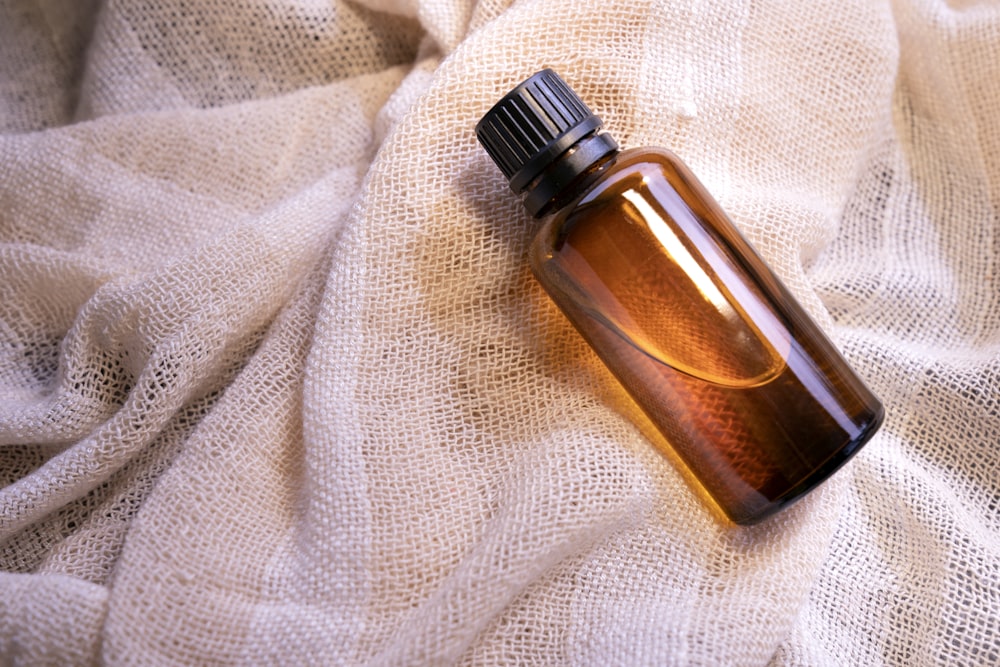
(276, 386)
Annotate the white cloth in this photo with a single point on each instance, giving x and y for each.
(277, 388)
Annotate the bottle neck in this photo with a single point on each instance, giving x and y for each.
(567, 175)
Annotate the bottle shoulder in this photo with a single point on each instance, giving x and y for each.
(654, 154)
(629, 168)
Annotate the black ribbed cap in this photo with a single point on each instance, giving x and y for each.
(533, 125)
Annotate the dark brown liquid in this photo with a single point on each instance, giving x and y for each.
(749, 392)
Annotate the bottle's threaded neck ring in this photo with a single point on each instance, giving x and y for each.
(566, 169)
(542, 137)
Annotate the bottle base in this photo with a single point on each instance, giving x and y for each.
(814, 479)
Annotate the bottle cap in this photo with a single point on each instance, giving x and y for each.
(533, 128)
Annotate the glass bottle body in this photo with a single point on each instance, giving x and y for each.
(745, 387)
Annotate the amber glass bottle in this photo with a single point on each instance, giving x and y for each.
(748, 391)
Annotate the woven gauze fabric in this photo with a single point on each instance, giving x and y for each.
(277, 387)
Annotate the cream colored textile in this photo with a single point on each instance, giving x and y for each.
(277, 388)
